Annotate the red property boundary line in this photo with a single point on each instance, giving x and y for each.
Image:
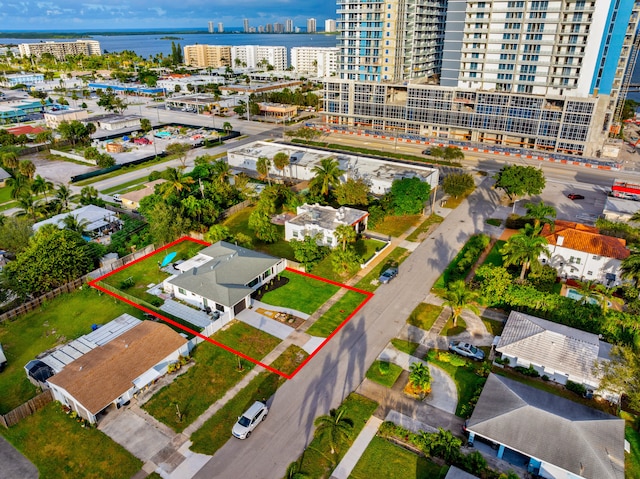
(367, 294)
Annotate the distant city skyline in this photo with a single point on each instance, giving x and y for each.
(66, 15)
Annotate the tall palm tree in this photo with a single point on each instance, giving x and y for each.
(29, 206)
(176, 182)
(72, 223)
(262, 167)
(335, 425)
(524, 249)
(630, 266)
(41, 185)
(281, 161)
(27, 168)
(327, 175)
(10, 160)
(540, 213)
(19, 185)
(345, 234)
(458, 297)
(220, 171)
(63, 194)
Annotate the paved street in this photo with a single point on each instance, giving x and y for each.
(340, 366)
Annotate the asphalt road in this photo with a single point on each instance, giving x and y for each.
(341, 365)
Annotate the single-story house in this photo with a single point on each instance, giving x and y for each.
(98, 222)
(579, 251)
(379, 174)
(222, 277)
(132, 199)
(113, 374)
(557, 351)
(54, 118)
(111, 121)
(277, 110)
(4, 176)
(558, 438)
(313, 220)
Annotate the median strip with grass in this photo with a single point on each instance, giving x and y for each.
(215, 371)
(216, 431)
(337, 313)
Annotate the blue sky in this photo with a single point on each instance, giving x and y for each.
(116, 14)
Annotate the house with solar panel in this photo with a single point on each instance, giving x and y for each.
(109, 366)
(221, 278)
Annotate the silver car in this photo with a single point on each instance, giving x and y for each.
(388, 275)
(467, 350)
(250, 420)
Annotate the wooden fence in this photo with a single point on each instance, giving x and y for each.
(73, 285)
(26, 409)
(234, 209)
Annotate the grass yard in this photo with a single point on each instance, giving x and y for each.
(61, 449)
(404, 346)
(317, 461)
(384, 372)
(494, 257)
(215, 371)
(424, 316)
(453, 203)
(239, 223)
(301, 292)
(329, 321)
(56, 322)
(493, 327)
(451, 330)
(5, 194)
(366, 248)
(216, 431)
(418, 233)
(382, 458)
(394, 258)
(463, 373)
(397, 225)
(632, 460)
(9, 205)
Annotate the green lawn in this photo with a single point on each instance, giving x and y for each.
(394, 258)
(493, 327)
(494, 257)
(404, 346)
(317, 461)
(301, 292)
(60, 448)
(58, 321)
(9, 205)
(424, 316)
(329, 321)
(5, 194)
(146, 272)
(385, 375)
(397, 225)
(239, 223)
(214, 372)
(467, 381)
(382, 458)
(366, 248)
(632, 460)
(424, 227)
(451, 330)
(216, 431)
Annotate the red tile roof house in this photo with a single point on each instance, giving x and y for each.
(113, 373)
(580, 252)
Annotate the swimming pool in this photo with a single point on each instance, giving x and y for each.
(573, 294)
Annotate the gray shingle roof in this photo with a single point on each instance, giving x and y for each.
(222, 270)
(576, 438)
(555, 346)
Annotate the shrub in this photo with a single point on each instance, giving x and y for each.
(157, 302)
(516, 222)
(383, 367)
(579, 389)
(127, 283)
(494, 222)
(543, 279)
(530, 371)
(545, 377)
(502, 361)
(453, 359)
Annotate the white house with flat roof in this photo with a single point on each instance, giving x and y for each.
(377, 173)
(321, 222)
(97, 222)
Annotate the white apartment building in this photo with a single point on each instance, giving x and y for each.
(60, 50)
(311, 25)
(254, 56)
(220, 27)
(288, 26)
(329, 25)
(319, 62)
(207, 56)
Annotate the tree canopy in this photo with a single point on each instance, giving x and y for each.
(517, 180)
(409, 195)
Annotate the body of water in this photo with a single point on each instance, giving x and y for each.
(150, 45)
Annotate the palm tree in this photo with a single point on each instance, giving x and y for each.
(420, 376)
(72, 223)
(335, 425)
(327, 174)
(220, 171)
(281, 161)
(227, 127)
(63, 194)
(29, 206)
(10, 160)
(524, 249)
(262, 167)
(19, 184)
(630, 266)
(587, 289)
(44, 137)
(176, 182)
(345, 234)
(88, 195)
(606, 296)
(540, 213)
(41, 185)
(443, 444)
(458, 297)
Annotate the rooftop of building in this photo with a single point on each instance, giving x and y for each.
(585, 238)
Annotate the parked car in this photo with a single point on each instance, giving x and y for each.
(388, 275)
(467, 350)
(426, 151)
(250, 420)
(116, 198)
(575, 196)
